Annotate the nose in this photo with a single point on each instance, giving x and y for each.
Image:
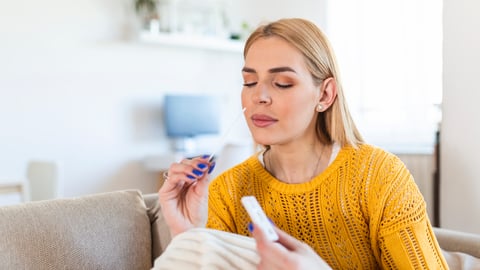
(261, 94)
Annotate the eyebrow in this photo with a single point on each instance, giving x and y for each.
(272, 70)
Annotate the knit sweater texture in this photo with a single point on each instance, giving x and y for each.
(364, 211)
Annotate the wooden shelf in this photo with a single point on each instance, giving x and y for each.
(192, 41)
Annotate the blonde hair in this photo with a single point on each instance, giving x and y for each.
(336, 123)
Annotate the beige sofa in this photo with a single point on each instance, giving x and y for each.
(122, 230)
(116, 230)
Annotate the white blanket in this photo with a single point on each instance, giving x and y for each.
(212, 249)
(202, 248)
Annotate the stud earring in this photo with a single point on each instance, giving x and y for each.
(319, 107)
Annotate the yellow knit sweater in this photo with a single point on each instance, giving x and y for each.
(363, 212)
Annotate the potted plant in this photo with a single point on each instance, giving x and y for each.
(147, 10)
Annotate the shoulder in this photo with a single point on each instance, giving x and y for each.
(239, 174)
(229, 186)
(390, 192)
(383, 174)
(382, 165)
(245, 167)
(371, 155)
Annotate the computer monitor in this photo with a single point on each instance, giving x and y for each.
(187, 116)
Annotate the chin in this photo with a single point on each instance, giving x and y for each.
(262, 140)
(264, 137)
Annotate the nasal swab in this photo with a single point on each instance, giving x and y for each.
(224, 137)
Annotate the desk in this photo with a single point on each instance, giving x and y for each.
(230, 155)
(160, 163)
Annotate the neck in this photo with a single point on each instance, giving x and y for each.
(298, 166)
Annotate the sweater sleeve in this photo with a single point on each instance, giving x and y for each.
(225, 211)
(220, 216)
(403, 236)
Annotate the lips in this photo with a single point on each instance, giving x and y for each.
(262, 120)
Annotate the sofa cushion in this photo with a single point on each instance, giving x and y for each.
(100, 231)
(458, 241)
(461, 261)
(461, 249)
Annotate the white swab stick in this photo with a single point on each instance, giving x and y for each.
(224, 137)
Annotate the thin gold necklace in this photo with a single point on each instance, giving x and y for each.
(314, 169)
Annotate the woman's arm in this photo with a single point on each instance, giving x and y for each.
(402, 236)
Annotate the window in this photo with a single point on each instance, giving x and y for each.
(390, 58)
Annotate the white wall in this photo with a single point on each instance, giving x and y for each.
(254, 12)
(460, 130)
(71, 90)
(76, 88)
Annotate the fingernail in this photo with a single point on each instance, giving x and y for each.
(191, 177)
(205, 156)
(202, 166)
(197, 172)
(212, 166)
(250, 227)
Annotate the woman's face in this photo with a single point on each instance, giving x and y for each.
(278, 93)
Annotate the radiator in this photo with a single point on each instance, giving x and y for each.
(422, 167)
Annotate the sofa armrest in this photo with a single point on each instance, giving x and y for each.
(161, 236)
(456, 241)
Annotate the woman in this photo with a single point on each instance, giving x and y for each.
(334, 198)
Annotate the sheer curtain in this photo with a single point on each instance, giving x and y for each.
(390, 57)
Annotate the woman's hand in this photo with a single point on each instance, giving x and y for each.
(184, 194)
(286, 253)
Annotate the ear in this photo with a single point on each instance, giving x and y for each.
(329, 93)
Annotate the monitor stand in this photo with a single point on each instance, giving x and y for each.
(185, 145)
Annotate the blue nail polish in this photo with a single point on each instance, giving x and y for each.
(205, 156)
(211, 167)
(202, 166)
(250, 227)
(191, 177)
(197, 172)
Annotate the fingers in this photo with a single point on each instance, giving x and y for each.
(183, 196)
(285, 239)
(289, 242)
(188, 171)
(271, 253)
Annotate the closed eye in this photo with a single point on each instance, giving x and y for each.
(283, 85)
(249, 84)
